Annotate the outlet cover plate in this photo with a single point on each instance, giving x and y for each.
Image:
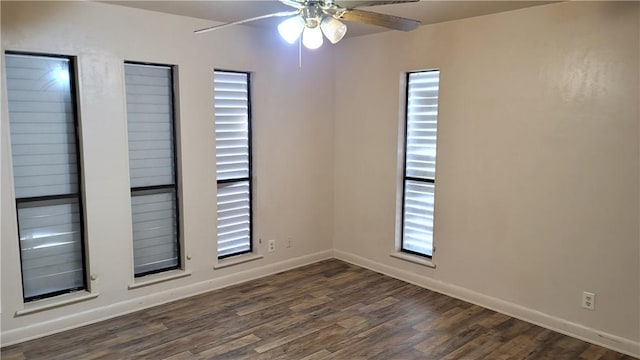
(589, 300)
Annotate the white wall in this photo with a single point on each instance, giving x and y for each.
(537, 170)
(293, 164)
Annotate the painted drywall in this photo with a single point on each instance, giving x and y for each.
(2, 150)
(537, 163)
(293, 164)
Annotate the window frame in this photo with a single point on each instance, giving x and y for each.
(249, 179)
(47, 200)
(161, 189)
(405, 178)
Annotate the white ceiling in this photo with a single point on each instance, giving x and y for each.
(426, 11)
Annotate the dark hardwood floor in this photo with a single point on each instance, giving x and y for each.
(327, 310)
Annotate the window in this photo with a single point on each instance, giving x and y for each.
(233, 162)
(420, 162)
(152, 168)
(46, 167)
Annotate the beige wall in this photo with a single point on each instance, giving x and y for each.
(538, 157)
(537, 170)
(293, 165)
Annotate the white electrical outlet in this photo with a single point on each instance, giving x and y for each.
(272, 245)
(589, 300)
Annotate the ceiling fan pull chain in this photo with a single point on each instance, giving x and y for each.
(300, 52)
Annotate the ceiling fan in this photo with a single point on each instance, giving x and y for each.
(313, 18)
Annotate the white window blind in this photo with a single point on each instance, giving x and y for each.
(152, 168)
(154, 232)
(46, 171)
(42, 123)
(51, 247)
(233, 162)
(420, 162)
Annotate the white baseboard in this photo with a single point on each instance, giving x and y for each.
(591, 335)
(95, 315)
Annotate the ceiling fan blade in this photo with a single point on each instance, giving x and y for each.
(352, 4)
(388, 21)
(278, 14)
(298, 4)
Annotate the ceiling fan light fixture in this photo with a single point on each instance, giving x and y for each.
(291, 28)
(316, 19)
(312, 37)
(333, 29)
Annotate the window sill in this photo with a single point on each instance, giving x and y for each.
(240, 259)
(158, 278)
(58, 301)
(414, 259)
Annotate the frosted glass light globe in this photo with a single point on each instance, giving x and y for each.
(312, 37)
(291, 28)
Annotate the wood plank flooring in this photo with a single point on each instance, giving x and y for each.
(327, 310)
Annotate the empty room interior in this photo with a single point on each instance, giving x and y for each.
(271, 189)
